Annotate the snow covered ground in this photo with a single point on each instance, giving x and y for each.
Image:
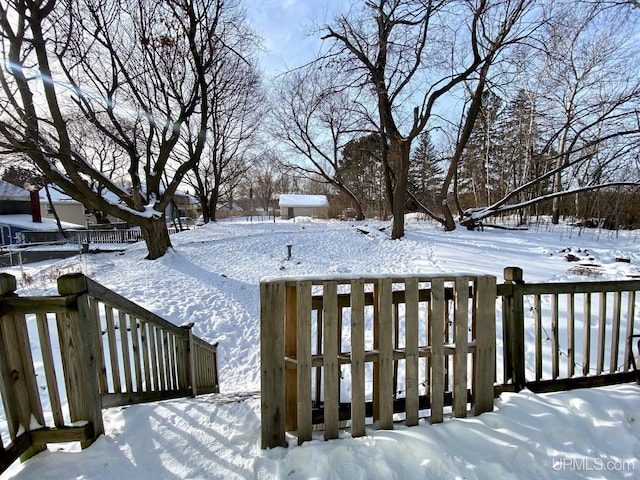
(212, 278)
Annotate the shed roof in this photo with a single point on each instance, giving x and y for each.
(291, 200)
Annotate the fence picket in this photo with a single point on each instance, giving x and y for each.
(586, 340)
(615, 332)
(461, 335)
(411, 345)
(602, 331)
(437, 328)
(571, 335)
(538, 335)
(303, 357)
(113, 349)
(385, 353)
(357, 359)
(631, 313)
(49, 370)
(331, 365)
(124, 344)
(555, 344)
(485, 355)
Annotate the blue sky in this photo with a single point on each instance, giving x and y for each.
(285, 27)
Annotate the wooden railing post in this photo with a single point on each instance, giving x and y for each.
(484, 364)
(189, 361)
(78, 358)
(272, 364)
(18, 379)
(513, 325)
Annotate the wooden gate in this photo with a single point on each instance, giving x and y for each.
(369, 348)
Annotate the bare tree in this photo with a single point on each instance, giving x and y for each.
(589, 131)
(237, 106)
(138, 72)
(416, 53)
(315, 120)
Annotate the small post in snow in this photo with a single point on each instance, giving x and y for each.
(289, 246)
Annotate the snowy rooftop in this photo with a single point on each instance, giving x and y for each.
(291, 200)
(25, 221)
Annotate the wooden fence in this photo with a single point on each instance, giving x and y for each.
(364, 349)
(94, 349)
(431, 337)
(579, 333)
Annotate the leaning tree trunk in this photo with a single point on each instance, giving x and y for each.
(156, 236)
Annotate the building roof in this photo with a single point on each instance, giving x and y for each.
(11, 192)
(25, 221)
(291, 200)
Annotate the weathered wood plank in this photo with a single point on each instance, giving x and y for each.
(602, 332)
(571, 334)
(485, 338)
(631, 313)
(385, 349)
(586, 338)
(515, 352)
(155, 369)
(615, 332)
(63, 434)
(581, 287)
(49, 369)
(318, 369)
(331, 365)
(124, 345)
(411, 343)
(437, 326)
(174, 359)
(555, 343)
(35, 304)
(272, 372)
(135, 350)
(12, 408)
(357, 359)
(461, 334)
(303, 354)
(144, 340)
(290, 350)
(538, 335)
(96, 344)
(91, 406)
(113, 349)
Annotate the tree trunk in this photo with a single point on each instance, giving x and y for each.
(156, 236)
(401, 150)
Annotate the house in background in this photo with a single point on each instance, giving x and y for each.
(20, 211)
(73, 211)
(68, 209)
(315, 206)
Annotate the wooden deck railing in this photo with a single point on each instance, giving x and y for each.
(432, 338)
(578, 332)
(353, 349)
(65, 358)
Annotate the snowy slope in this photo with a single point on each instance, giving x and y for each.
(212, 278)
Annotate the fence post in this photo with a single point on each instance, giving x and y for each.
(485, 335)
(189, 360)
(17, 379)
(513, 325)
(272, 365)
(78, 358)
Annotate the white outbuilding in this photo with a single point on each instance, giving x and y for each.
(315, 206)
